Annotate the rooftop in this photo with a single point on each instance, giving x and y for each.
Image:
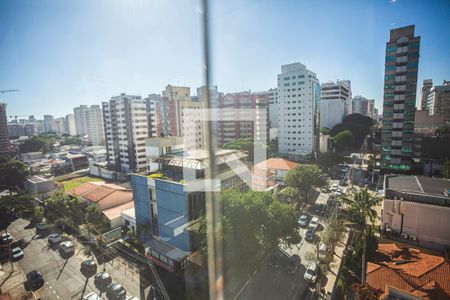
(116, 211)
(276, 164)
(409, 270)
(418, 184)
(107, 193)
(39, 178)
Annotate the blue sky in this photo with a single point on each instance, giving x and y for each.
(61, 54)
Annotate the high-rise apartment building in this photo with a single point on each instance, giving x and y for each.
(89, 122)
(125, 121)
(424, 92)
(231, 127)
(71, 127)
(180, 116)
(438, 101)
(153, 120)
(335, 102)
(298, 109)
(400, 85)
(4, 139)
(273, 106)
(363, 106)
(48, 123)
(59, 126)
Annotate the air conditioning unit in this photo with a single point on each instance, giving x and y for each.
(413, 238)
(404, 236)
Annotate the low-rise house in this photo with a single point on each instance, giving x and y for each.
(42, 185)
(30, 156)
(77, 161)
(417, 209)
(111, 199)
(277, 167)
(408, 273)
(129, 219)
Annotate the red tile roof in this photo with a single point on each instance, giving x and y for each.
(409, 270)
(276, 164)
(101, 191)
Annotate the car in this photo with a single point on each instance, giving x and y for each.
(6, 238)
(311, 272)
(92, 296)
(17, 253)
(324, 190)
(303, 220)
(102, 280)
(88, 268)
(323, 249)
(34, 280)
(310, 235)
(293, 264)
(115, 291)
(66, 247)
(54, 239)
(314, 223)
(275, 259)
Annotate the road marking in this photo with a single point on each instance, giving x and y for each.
(291, 289)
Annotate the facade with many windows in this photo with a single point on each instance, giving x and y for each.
(400, 84)
(298, 110)
(125, 121)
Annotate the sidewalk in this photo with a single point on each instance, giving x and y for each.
(335, 266)
(13, 282)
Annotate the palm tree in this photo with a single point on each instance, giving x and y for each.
(360, 210)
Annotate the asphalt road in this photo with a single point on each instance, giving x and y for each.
(62, 276)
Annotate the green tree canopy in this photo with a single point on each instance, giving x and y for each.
(328, 160)
(13, 173)
(253, 223)
(344, 140)
(325, 130)
(35, 144)
(304, 178)
(357, 124)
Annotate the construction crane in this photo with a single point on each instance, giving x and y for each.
(8, 91)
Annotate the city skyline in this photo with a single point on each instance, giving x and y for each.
(93, 57)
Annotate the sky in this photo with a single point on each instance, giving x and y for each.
(61, 54)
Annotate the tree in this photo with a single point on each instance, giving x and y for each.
(344, 140)
(328, 160)
(38, 213)
(13, 173)
(288, 194)
(357, 124)
(360, 209)
(304, 178)
(252, 223)
(325, 130)
(249, 145)
(365, 292)
(35, 144)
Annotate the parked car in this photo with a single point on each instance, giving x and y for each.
(314, 223)
(293, 264)
(323, 249)
(34, 280)
(88, 268)
(116, 291)
(102, 280)
(310, 235)
(6, 238)
(17, 253)
(66, 248)
(92, 296)
(311, 272)
(54, 239)
(303, 220)
(42, 228)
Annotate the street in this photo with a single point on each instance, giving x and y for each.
(63, 279)
(267, 283)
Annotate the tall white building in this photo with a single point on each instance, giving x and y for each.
(71, 128)
(125, 119)
(59, 126)
(298, 107)
(335, 102)
(364, 106)
(89, 122)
